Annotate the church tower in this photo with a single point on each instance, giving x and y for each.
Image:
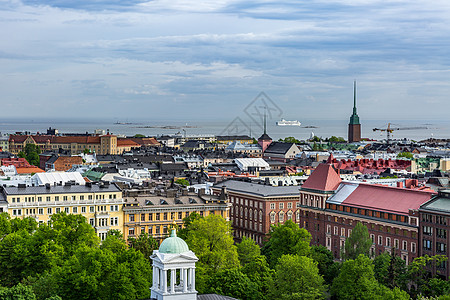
(173, 270)
(264, 140)
(354, 127)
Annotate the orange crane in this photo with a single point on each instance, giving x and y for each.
(390, 129)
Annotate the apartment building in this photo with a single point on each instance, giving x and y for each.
(101, 204)
(154, 211)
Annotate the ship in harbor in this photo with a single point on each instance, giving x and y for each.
(283, 122)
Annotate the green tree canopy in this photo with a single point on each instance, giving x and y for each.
(182, 182)
(297, 277)
(287, 238)
(145, 244)
(233, 283)
(31, 154)
(211, 240)
(407, 155)
(358, 242)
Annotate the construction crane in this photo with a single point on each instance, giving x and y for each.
(390, 129)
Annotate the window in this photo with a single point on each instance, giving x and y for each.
(74, 198)
(67, 210)
(92, 222)
(150, 217)
(380, 240)
(56, 198)
(81, 197)
(83, 209)
(388, 241)
(131, 231)
(90, 197)
(165, 216)
(289, 205)
(413, 247)
(49, 211)
(157, 229)
(441, 247)
(40, 211)
(272, 217)
(396, 244)
(349, 232)
(342, 231)
(289, 214)
(372, 237)
(131, 218)
(426, 244)
(272, 205)
(75, 210)
(427, 230)
(91, 209)
(39, 199)
(404, 246)
(157, 216)
(329, 229)
(335, 229)
(47, 198)
(441, 233)
(65, 198)
(281, 216)
(58, 210)
(142, 217)
(281, 205)
(180, 215)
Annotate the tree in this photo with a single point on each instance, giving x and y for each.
(31, 154)
(390, 270)
(187, 221)
(334, 139)
(297, 277)
(356, 280)
(247, 250)
(145, 244)
(328, 268)
(138, 135)
(182, 182)
(18, 292)
(291, 140)
(407, 155)
(211, 240)
(287, 238)
(418, 273)
(358, 242)
(233, 283)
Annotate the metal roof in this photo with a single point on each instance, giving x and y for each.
(261, 190)
(61, 189)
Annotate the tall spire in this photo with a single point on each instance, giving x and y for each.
(354, 97)
(265, 120)
(354, 118)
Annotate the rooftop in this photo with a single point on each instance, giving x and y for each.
(260, 190)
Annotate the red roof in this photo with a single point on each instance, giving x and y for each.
(324, 178)
(29, 170)
(386, 198)
(126, 142)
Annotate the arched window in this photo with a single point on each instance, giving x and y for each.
(281, 216)
(272, 217)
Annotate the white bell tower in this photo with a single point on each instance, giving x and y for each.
(173, 270)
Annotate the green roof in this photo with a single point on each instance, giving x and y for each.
(173, 244)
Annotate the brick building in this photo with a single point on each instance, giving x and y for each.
(434, 238)
(254, 207)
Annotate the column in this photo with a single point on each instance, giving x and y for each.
(172, 281)
(193, 279)
(154, 277)
(164, 281)
(185, 282)
(190, 279)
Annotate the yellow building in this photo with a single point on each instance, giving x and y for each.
(154, 213)
(101, 204)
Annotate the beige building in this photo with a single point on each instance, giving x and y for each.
(155, 211)
(101, 204)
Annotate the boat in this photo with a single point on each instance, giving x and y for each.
(283, 122)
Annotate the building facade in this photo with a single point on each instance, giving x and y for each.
(154, 212)
(434, 238)
(100, 204)
(255, 207)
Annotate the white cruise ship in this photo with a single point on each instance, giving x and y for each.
(283, 122)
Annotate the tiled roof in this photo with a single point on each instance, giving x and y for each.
(384, 198)
(29, 170)
(324, 178)
(127, 142)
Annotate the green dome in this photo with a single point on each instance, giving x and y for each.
(173, 244)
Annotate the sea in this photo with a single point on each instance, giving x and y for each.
(404, 129)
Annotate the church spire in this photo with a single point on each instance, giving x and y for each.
(354, 97)
(265, 120)
(354, 118)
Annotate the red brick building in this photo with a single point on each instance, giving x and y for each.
(62, 163)
(257, 206)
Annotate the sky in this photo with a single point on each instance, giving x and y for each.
(190, 60)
